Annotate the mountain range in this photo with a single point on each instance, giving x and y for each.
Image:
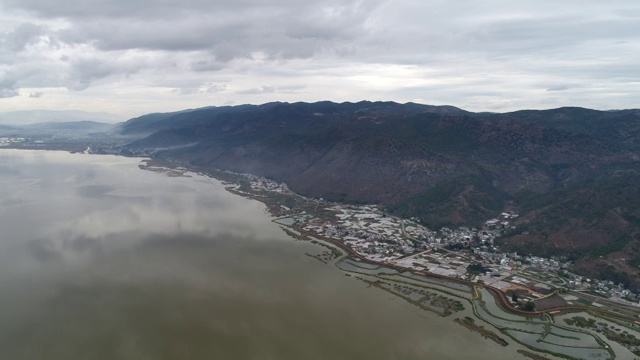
(573, 174)
(29, 117)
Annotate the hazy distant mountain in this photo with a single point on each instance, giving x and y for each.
(62, 132)
(27, 117)
(72, 126)
(574, 173)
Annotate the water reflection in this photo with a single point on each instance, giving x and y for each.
(100, 260)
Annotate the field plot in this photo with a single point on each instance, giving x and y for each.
(541, 334)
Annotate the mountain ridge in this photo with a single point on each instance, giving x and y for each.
(441, 164)
(30, 117)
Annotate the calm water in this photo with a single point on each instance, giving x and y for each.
(101, 260)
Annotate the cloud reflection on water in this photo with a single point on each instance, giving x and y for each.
(154, 267)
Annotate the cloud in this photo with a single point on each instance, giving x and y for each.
(84, 70)
(266, 89)
(21, 36)
(7, 87)
(227, 30)
(37, 94)
(206, 65)
(489, 55)
(558, 88)
(8, 92)
(204, 89)
(214, 88)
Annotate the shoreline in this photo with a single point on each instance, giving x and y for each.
(237, 184)
(233, 183)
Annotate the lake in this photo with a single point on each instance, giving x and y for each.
(102, 260)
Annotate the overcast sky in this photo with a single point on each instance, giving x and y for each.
(130, 57)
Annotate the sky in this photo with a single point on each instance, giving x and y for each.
(131, 57)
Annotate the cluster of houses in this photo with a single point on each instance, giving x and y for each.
(502, 222)
(259, 183)
(6, 141)
(404, 242)
(371, 233)
(606, 288)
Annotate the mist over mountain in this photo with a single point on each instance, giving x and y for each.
(572, 173)
(28, 117)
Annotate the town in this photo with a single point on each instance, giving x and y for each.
(7, 141)
(465, 253)
(538, 302)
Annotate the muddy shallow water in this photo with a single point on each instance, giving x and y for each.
(102, 260)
